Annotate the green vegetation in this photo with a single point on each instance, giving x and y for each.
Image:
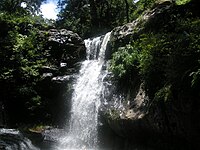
(14, 6)
(181, 2)
(166, 58)
(89, 17)
(21, 57)
(165, 55)
(125, 59)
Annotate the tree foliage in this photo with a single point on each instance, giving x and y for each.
(167, 60)
(15, 6)
(21, 57)
(89, 17)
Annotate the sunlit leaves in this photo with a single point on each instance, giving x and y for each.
(182, 2)
(124, 59)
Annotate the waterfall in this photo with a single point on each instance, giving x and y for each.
(82, 132)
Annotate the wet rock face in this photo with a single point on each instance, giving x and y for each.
(11, 139)
(129, 117)
(47, 138)
(133, 116)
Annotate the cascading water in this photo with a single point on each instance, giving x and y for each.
(86, 98)
(12, 139)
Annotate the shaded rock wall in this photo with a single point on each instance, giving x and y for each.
(65, 51)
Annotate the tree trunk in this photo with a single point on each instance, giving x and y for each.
(93, 13)
(127, 10)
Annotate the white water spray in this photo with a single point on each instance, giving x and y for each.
(86, 98)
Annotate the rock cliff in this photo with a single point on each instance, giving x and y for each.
(65, 49)
(130, 112)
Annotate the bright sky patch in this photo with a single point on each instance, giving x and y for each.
(23, 5)
(49, 9)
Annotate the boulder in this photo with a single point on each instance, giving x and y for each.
(64, 36)
(65, 46)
